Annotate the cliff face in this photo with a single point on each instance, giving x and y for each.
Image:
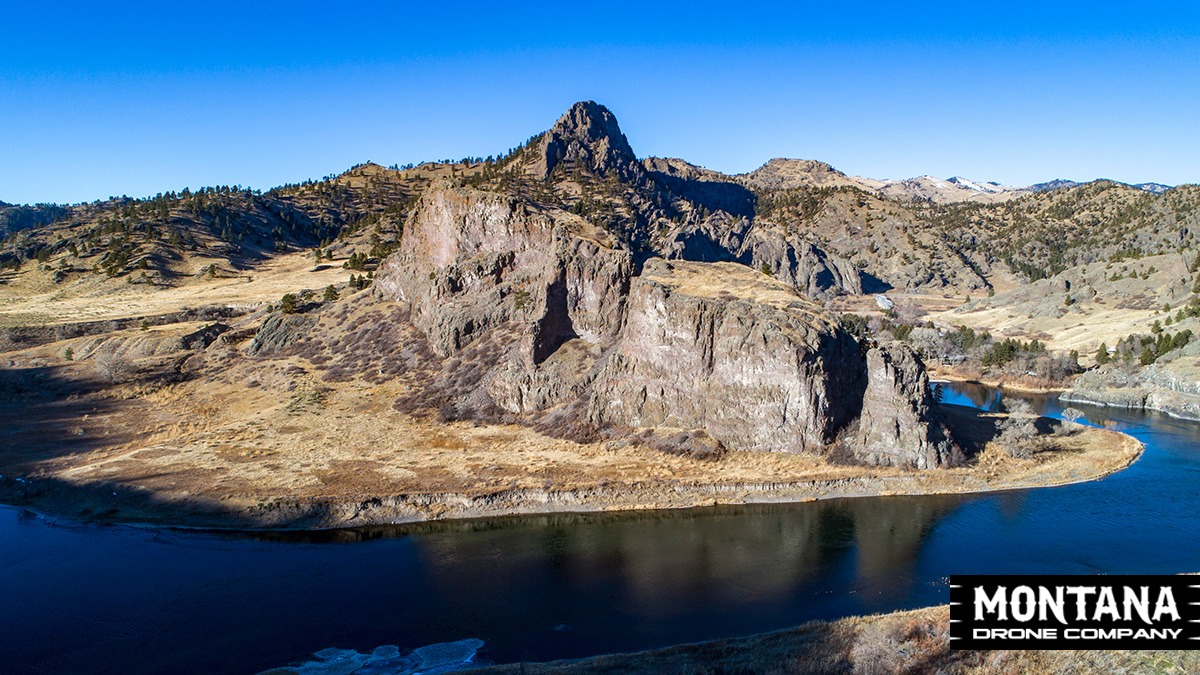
(471, 260)
(712, 347)
(672, 209)
(897, 426)
(541, 316)
(586, 138)
(722, 348)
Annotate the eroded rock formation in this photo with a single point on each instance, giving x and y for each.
(725, 349)
(540, 314)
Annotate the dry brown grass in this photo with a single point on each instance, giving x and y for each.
(915, 641)
(241, 433)
(32, 298)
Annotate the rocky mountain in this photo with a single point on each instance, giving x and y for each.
(948, 191)
(825, 232)
(783, 174)
(1059, 183)
(532, 276)
(1056, 184)
(569, 322)
(15, 218)
(547, 316)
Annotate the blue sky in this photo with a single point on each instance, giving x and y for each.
(137, 98)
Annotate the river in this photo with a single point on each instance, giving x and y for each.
(77, 597)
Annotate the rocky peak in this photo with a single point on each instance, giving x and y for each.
(587, 139)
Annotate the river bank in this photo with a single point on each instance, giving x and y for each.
(1169, 388)
(900, 642)
(354, 490)
(1023, 385)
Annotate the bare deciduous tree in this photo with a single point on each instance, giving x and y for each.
(112, 368)
(1017, 429)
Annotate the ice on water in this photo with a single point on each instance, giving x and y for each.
(444, 657)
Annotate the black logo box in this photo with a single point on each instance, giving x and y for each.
(979, 625)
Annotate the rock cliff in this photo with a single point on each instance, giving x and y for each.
(586, 138)
(472, 260)
(723, 348)
(897, 425)
(669, 208)
(547, 316)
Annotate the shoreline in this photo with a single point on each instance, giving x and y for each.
(101, 502)
(1068, 397)
(906, 640)
(941, 374)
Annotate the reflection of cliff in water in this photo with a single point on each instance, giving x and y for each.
(889, 532)
(661, 563)
(645, 579)
(989, 398)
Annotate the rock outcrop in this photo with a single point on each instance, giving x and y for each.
(280, 332)
(1171, 386)
(896, 425)
(540, 314)
(725, 349)
(808, 268)
(471, 261)
(673, 209)
(586, 138)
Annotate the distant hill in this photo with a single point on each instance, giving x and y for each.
(17, 218)
(1056, 184)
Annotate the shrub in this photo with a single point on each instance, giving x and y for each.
(878, 650)
(112, 368)
(289, 303)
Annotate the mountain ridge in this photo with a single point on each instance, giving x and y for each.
(804, 220)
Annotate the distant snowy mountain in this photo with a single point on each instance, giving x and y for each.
(990, 187)
(788, 173)
(1152, 188)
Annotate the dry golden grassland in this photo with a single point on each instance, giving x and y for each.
(264, 442)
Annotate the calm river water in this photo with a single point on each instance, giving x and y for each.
(90, 598)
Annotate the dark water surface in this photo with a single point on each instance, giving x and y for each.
(89, 598)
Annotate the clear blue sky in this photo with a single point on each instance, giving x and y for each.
(100, 99)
